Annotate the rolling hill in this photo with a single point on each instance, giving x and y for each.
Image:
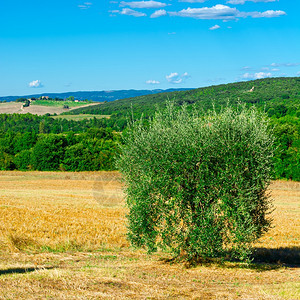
(279, 95)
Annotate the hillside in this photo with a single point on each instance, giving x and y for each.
(279, 95)
(97, 96)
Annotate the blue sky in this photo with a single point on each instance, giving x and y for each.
(57, 46)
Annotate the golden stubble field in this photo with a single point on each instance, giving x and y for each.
(17, 108)
(62, 236)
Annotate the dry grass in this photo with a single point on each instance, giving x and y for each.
(62, 236)
(17, 108)
(58, 212)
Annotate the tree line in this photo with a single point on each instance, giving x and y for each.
(92, 150)
(46, 124)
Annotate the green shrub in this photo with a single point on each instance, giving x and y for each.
(196, 185)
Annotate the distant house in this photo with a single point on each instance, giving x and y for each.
(45, 97)
(76, 100)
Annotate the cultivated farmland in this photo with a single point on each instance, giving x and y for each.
(41, 107)
(62, 236)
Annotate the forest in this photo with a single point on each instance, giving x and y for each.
(30, 142)
(93, 149)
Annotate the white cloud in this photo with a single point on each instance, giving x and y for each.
(223, 12)
(159, 13)
(275, 70)
(214, 27)
(265, 14)
(143, 4)
(274, 65)
(259, 75)
(298, 73)
(175, 78)
(218, 11)
(244, 1)
(247, 76)
(152, 82)
(35, 84)
(130, 12)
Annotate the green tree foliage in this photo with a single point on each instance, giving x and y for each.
(45, 124)
(197, 184)
(21, 99)
(89, 151)
(71, 98)
(27, 103)
(48, 152)
(23, 160)
(95, 151)
(23, 141)
(287, 159)
(6, 161)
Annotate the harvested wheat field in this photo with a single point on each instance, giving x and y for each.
(62, 236)
(17, 108)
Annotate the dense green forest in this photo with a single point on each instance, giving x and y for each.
(45, 124)
(92, 150)
(46, 143)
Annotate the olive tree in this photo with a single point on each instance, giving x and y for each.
(197, 185)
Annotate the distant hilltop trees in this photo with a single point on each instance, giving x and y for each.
(21, 99)
(68, 99)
